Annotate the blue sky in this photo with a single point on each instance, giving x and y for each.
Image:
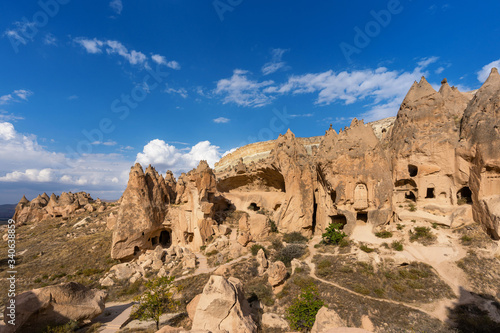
(90, 87)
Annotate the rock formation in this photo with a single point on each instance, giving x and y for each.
(44, 207)
(222, 307)
(55, 305)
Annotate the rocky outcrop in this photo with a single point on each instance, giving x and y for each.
(277, 273)
(44, 207)
(326, 319)
(480, 144)
(142, 211)
(55, 305)
(222, 307)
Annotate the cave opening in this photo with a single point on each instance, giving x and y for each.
(464, 196)
(430, 193)
(253, 206)
(165, 238)
(412, 170)
(363, 217)
(410, 196)
(339, 219)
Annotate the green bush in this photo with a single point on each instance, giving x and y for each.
(397, 245)
(400, 226)
(255, 249)
(366, 249)
(277, 244)
(294, 237)
(272, 225)
(412, 207)
(290, 252)
(383, 234)
(422, 234)
(333, 234)
(302, 313)
(466, 240)
(66, 328)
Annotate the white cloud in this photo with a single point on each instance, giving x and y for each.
(29, 167)
(483, 74)
(105, 143)
(276, 63)
(304, 115)
(95, 46)
(20, 32)
(221, 120)
(92, 46)
(50, 39)
(16, 96)
(5, 116)
(161, 60)
(242, 91)
(427, 61)
(439, 70)
(167, 157)
(181, 91)
(117, 6)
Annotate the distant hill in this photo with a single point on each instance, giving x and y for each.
(7, 211)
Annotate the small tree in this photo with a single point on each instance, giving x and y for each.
(333, 234)
(302, 313)
(156, 300)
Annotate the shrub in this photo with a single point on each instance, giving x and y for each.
(400, 226)
(302, 313)
(344, 242)
(412, 207)
(211, 253)
(156, 299)
(66, 328)
(397, 245)
(272, 225)
(255, 249)
(277, 244)
(366, 249)
(466, 240)
(333, 234)
(294, 237)
(383, 234)
(422, 234)
(290, 252)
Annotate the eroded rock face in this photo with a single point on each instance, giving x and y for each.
(44, 207)
(142, 211)
(55, 305)
(480, 135)
(222, 307)
(326, 319)
(277, 273)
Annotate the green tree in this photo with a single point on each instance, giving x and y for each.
(333, 234)
(302, 313)
(156, 300)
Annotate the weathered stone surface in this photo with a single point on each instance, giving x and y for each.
(262, 260)
(272, 320)
(327, 319)
(55, 305)
(222, 307)
(191, 307)
(277, 273)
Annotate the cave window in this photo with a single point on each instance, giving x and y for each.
(277, 206)
(464, 195)
(253, 206)
(165, 238)
(384, 130)
(136, 250)
(410, 196)
(154, 241)
(430, 193)
(333, 195)
(412, 170)
(362, 217)
(339, 219)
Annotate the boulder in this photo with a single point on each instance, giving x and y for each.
(272, 320)
(262, 260)
(326, 319)
(191, 306)
(55, 305)
(277, 273)
(222, 307)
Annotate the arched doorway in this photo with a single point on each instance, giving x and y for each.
(464, 196)
(165, 238)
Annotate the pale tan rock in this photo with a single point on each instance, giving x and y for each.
(272, 320)
(223, 308)
(244, 238)
(277, 273)
(327, 319)
(56, 305)
(262, 260)
(192, 305)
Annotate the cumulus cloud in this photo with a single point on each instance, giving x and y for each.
(242, 91)
(276, 62)
(50, 39)
(117, 6)
(31, 168)
(15, 96)
(221, 120)
(168, 157)
(483, 74)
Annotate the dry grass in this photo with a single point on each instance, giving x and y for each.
(483, 273)
(416, 282)
(51, 257)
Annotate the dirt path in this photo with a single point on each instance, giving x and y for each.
(312, 266)
(114, 316)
